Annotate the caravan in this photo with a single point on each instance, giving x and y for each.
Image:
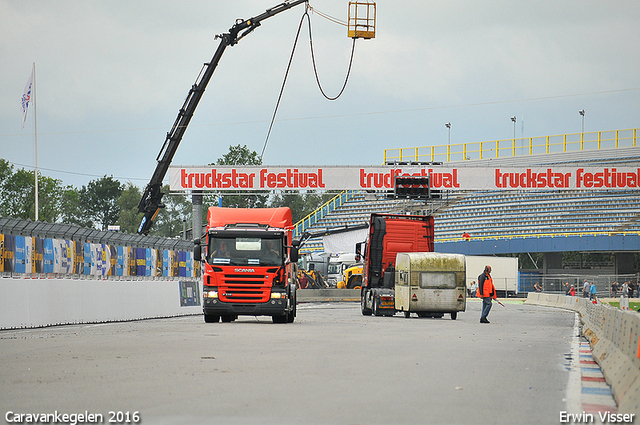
(430, 284)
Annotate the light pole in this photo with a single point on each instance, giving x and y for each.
(581, 112)
(513, 119)
(448, 125)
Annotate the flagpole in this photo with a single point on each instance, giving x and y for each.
(35, 126)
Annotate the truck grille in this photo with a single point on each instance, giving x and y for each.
(249, 288)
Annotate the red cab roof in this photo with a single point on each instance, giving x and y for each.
(274, 217)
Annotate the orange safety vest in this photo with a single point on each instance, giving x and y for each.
(488, 290)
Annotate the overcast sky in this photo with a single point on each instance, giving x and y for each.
(112, 75)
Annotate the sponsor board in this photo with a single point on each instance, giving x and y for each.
(251, 178)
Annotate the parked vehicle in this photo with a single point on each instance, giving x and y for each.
(389, 234)
(249, 264)
(430, 284)
(351, 278)
(338, 263)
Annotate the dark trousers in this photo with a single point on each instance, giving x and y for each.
(486, 307)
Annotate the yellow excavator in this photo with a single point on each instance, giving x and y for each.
(351, 278)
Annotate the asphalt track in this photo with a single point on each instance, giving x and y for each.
(332, 366)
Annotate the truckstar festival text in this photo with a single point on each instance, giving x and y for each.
(246, 178)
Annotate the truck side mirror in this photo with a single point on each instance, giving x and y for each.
(359, 251)
(293, 254)
(197, 252)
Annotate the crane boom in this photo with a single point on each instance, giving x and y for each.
(151, 201)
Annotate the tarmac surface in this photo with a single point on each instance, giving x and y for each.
(331, 366)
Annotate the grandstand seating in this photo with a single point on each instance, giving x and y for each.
(496, 214)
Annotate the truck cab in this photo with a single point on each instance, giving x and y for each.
(249, 264)
(338, 263)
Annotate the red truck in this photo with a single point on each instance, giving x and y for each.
(389, 234)
(249, 264)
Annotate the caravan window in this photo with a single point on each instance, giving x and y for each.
(437, 280)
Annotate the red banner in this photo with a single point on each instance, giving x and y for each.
(252, 178)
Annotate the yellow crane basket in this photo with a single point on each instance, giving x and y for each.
(362, 19)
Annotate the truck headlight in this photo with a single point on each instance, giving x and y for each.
(212, 293)
(278, 295)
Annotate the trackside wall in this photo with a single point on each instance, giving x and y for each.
(614, 335)
(30, 303)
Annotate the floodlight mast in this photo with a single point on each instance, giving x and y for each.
(151, 201)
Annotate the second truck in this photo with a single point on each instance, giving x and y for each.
(402, 273)
(389, 234)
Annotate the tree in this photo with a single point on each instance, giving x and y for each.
(17, 194)
(129, 218)
(240, 155)
(49, 198)
(301, 203)
(168, 222)
(100, 201)
(71, 210)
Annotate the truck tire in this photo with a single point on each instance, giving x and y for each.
(407, 314)
(211, 318)
(374, 307)
(291, 316)
(454, 315)
(279, 319)
(363, 306)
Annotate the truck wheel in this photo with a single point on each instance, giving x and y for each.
(454, 315)
(363, 306)
(374, 307)
(291, 316)
(210, 318)
(407, 314)
(279, 319)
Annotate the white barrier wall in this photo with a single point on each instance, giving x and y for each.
(27, 303)
(614, 335)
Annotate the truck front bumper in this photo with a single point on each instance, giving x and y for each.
(274, 307)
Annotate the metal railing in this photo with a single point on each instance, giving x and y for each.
(324, 210)
(536, 235)
(555, 283)
(573, 142)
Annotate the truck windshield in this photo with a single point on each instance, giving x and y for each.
(245, 251)
(334, 269)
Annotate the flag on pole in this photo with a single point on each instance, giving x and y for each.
(26, 98)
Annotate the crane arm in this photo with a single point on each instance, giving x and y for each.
(340, 229)
(151, 201)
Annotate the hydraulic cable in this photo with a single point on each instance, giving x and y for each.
(315, 70)
(284, 81)
(286, 75)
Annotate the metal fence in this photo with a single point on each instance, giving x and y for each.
(40, 229)
(45, 250)
(556, 283)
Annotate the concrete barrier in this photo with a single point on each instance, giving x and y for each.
(614, 336)
(30, 303)
(327, 295)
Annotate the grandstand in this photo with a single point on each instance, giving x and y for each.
(493, 214)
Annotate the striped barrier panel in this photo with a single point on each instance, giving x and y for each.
(614, 336)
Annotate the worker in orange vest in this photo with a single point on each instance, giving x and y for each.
(487, 292)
